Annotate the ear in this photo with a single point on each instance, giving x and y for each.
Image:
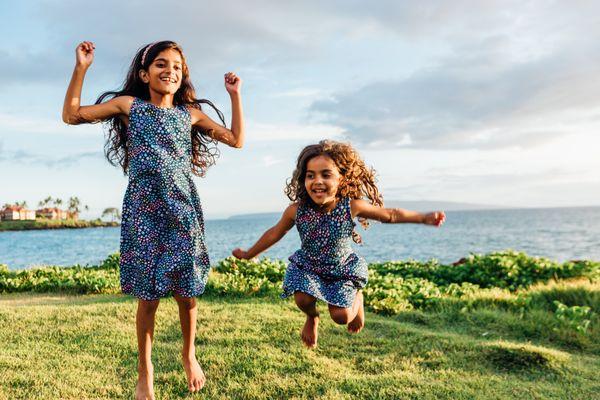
(143, 74)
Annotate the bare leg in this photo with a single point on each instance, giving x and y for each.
(187, 316)
(353, 316)
(144, 323)
(310, 331)
(358, 322)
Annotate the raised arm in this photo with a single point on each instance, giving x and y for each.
(271, 236)
(363, 209)
(73, 113)
(233, 137)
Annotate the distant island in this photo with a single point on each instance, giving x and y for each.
(27, 225)
(18, 217)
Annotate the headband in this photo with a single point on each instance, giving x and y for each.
(146, 52)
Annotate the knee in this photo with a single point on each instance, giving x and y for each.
(148, 306)
(186, 303)
(340, 315)
(303, 300)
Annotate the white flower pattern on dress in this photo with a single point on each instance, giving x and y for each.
(162, 231)
(326, 266)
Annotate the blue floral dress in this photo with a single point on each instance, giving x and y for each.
(326, 267)
(162, 231)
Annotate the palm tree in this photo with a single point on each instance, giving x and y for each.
(44, 203)
(75, 207)
(113, 213)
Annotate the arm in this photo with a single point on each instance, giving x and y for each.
(363, 209)
(271, 236)
(73, 113)
(233, 137)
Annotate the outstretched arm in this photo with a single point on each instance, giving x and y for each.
(363, 209)
(233, 137)
(271, 236)
(73, 113)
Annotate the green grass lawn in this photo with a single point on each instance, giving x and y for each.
(56, 346)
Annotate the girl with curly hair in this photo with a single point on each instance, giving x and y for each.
(329, 188)
(159, 135)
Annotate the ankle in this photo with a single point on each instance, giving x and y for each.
(145, 367)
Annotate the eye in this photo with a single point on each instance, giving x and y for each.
(177, 67)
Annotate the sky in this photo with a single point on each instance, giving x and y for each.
(488, 102)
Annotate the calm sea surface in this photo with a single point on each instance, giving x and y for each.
(560, 234)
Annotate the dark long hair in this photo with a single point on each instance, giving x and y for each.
(357, 180)
(204, 149)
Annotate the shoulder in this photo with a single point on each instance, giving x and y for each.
(195, 113)
(358, 205)
(291, 210)
(124, 103)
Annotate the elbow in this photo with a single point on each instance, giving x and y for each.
(238, 144)
(70, 119)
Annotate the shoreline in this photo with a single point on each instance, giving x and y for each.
(11, 226)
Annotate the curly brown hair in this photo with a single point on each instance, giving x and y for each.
(204, 150)
(357, 180)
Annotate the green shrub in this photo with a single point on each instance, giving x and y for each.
(477, 281)
(575, 317)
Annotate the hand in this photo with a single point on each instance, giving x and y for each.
(239, 253)
(435, 218)
(85, 54)
(233, 83)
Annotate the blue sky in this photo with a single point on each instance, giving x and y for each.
(483, 102)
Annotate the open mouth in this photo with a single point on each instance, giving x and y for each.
(319, 192)
(168, 80)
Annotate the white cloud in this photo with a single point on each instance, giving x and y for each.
(261, 131)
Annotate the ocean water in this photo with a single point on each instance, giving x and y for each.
(558, 233)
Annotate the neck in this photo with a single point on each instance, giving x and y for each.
(161, 100)
(328, 207)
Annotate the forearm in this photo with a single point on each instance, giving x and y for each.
(72, 102)
(237, 120)
(399, 215)
(268, 239)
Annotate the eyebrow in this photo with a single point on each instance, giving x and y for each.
(323, 170)
(165, 60)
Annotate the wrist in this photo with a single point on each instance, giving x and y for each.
(234, 95)
(81, 68)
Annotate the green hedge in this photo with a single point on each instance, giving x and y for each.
(497, 279)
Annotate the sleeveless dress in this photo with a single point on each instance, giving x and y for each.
(162, 229)
(326, 267)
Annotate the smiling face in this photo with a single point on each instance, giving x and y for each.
(165, 73)
(322, 180)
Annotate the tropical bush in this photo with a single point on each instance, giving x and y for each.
(498, 281)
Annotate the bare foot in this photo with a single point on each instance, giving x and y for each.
(144, 390)
(310, 332)
(358, 322)
(195, 375)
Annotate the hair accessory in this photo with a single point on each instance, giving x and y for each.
(146, 52)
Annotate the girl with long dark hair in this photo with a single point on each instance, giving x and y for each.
(160, 137)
